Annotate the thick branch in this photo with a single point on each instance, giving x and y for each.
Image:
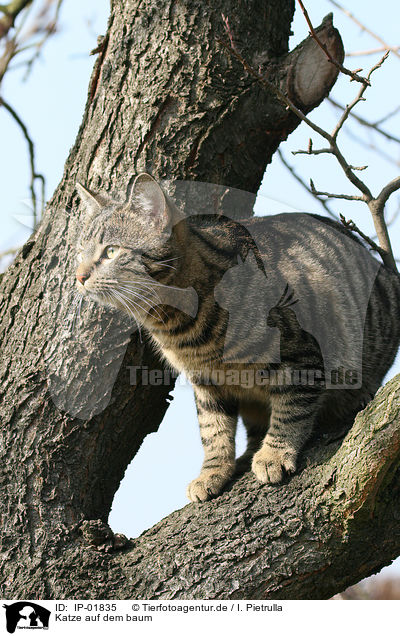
(330, 57)
(308, 538)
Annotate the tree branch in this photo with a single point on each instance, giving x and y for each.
(305, 186)
(368, 124)
(343, 69)
(58, 473)
(321, 527)
(348, 169)
(387, 47)
(34, 174)
(11, 11)
(350, 225)
(380, 49)
(330, 195)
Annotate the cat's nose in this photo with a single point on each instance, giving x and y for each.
(83, 277)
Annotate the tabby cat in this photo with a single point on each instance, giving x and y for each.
(294, 302)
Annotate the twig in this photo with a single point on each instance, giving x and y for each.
(373, 147)
(330, 195)
(228, 30)
(305, 186)
(388, 116)
(359, 97)
(343, 69)
(369, 124)
(374, 204)
(50, 29)
(364, 28)
(380, 49)
(31, 149)
(350, 225)
(11, 250)
(386, 191)
(11, 11)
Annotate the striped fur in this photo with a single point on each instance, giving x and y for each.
(161, 256)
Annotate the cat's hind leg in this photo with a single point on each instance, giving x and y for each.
(255, 418)
(293, 414)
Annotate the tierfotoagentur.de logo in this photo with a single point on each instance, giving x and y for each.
(26, 615)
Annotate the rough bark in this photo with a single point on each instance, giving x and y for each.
(334, 523)
(164, 97)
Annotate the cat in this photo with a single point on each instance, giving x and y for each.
(295, 302)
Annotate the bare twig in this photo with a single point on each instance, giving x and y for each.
(386, 191)
(228, 30)
(366, 123)
(380, 49)
(358, 98)
(371, 146)
(390, 114)
(49, 29)
(393, 49)
(11, 11)
(375, 204)
(350, 225)
(11, 250)
(330, 195)
(323, 151)
(305, 186)
(31, 149)
(343, 69)
(24, 36)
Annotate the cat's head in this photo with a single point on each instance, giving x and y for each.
(126, 250)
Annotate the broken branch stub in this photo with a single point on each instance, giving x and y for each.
(312, 74)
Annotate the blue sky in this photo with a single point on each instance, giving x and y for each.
(51, 101)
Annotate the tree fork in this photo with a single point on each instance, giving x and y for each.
(166, 98)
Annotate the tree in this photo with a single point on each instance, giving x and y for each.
(166, 97)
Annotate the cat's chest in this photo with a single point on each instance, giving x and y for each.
(186, 358)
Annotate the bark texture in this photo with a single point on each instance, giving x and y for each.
(166, 98)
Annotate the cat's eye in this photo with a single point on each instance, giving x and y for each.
(111, 252)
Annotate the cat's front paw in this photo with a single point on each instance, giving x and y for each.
(269, 462)
(207, 485)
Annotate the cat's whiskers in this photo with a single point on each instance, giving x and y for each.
(138, 291)
(130, 310)
(147, 292)
(127, 297)
(152, 283)
(167, 260)
(137, 304)
(164, 265)
(103, 286)
(127, 290)
(135, 290)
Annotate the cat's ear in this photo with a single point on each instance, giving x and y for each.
(147, 197)
(93, 202)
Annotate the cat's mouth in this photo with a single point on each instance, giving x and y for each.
(90, 291)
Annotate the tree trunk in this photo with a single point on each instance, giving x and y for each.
(164, 97)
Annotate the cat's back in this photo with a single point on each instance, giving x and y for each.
(333, 278)
(292, 246)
